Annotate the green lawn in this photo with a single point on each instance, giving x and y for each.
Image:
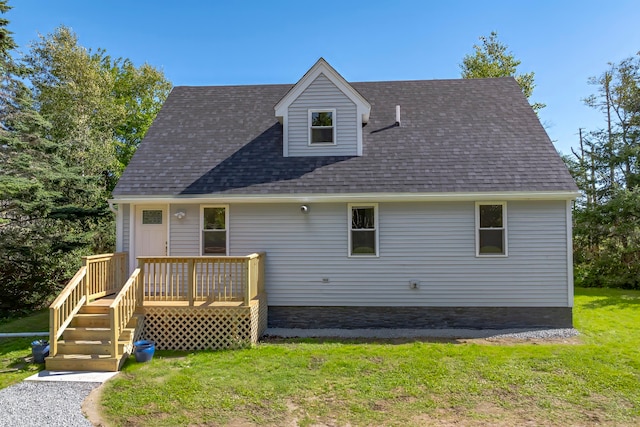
(590, 381)
(15, 352)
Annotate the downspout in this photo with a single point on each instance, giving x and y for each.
(112, 208)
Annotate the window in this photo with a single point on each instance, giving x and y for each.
(214, 230)
(322, 128)
(491, 239)
(152, 217)
(363, 230)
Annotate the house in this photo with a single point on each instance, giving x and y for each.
(381, 204)
(421, 204)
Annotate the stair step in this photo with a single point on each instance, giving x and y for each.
(92, 334)
(83, 362)
(89, 347)
(94, 309)
(96, 320)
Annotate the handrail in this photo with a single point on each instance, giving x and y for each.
(122, 309)
(64, 307)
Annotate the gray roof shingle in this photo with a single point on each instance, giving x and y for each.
(476, 135)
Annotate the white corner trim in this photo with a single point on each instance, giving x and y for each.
(569, 254)
(168, 243)
(285, 133)
(132, 238)
(119, 229)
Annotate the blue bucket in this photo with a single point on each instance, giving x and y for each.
(144, 350)
(39, 350)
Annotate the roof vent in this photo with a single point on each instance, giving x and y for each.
(397, 115)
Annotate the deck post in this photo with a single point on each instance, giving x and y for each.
(248, 281)
(261, 263)
(191, 278)
(115, 332)
(53, 331)
(140, 289)
(87, 280)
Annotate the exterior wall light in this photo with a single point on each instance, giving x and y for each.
(304, 209)
(180, 214)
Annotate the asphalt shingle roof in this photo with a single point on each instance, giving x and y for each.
(475, 135)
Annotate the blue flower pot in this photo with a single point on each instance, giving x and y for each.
(144, 350)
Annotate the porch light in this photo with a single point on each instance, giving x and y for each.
(180, 214)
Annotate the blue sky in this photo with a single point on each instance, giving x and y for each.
(254, 42)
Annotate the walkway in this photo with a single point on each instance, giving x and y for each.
(49, 399)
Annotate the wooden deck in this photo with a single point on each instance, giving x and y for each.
(181, 303)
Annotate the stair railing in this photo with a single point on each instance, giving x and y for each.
(65, 306)
(99, 275)
(123, 308)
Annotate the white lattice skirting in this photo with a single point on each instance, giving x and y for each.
(201, 328)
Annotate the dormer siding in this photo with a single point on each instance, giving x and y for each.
(323, 94)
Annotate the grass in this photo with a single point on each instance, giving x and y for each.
(15, 353)
(330, 382)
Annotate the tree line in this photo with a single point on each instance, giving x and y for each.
(605, 165)
(70, 120)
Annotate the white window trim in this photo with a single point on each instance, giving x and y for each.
(226, 225)
(504, 228)
(334, 117)
(350, 207)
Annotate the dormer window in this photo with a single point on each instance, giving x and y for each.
(322, 129)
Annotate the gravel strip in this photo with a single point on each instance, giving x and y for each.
(35, 403)
(424, 333)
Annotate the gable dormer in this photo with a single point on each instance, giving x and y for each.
(322, 115)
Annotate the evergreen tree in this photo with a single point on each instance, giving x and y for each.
(48, 206)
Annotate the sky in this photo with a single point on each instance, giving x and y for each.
(210, 42)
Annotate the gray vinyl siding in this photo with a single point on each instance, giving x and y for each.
(322, 93)
(126, 232)
(433, 243)
(185, 232)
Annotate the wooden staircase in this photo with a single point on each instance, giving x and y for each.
(86, 342)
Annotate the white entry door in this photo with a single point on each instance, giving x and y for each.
(151, 231)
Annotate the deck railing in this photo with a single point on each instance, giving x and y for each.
(100, 275)
(203, 278)
(123, 307)
(65, 306)
(106, 273)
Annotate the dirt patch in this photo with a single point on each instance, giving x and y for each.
(91, 407)
(511, 341)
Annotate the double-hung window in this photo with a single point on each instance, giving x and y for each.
(214, 230)
(322, 127)
(491, 229)
(363, 230)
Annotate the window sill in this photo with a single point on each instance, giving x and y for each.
(321, 144)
